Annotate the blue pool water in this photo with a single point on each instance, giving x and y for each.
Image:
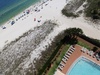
(85, 67)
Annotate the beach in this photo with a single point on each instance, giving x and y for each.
(9, 9)
(51, 11)
(37, 15)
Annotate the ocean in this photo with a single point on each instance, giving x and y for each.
(10, 8)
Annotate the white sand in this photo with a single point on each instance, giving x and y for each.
(51, 11)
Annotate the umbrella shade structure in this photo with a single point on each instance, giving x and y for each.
(39, 20)
(3, 27)
(34, 19)
(13, 22)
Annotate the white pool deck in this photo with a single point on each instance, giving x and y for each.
(59, 73)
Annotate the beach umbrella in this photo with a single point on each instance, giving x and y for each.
(34, 19)
(12, 22)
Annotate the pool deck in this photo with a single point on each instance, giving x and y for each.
(76, 54)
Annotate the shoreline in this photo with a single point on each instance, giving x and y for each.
(32, 11)
(51, 11)
(31, 7)
(16, 10)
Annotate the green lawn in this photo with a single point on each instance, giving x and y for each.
(58, 60)
(84, 45)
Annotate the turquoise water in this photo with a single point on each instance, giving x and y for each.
(10, 8)
(85, 67)
(6, 5)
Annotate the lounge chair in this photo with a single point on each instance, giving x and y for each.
(98, 59)
(82, 49)
(70, 51)
(93, 56)
(71, 46)
(89, 53)
(68, 54)
(61, 65)
(64, 57)
(92, 53)
(64, 60)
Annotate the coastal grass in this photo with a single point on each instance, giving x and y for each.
(58, 60)
(69, 14)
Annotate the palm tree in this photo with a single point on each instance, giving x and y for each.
(95, 49)
(71, 35)
(73, 32)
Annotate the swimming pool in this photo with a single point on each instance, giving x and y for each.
(84, 66)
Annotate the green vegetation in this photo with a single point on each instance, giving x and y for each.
(51, 58)
(71, 7)
(43, 64)
(72, 32)
(71, 35)
(84, 45)
(69, 14)
(48, 63)
(95, 49)
(93, 9)
(58, 60)
(96, 42)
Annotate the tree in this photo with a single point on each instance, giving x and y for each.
(95, 49)
(71, 35)
(73, 32)
(93, 9)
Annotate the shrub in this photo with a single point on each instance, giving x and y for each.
(69, 14)
(93, 9)
(91, 40)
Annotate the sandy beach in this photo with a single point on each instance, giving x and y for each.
(51, 11)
